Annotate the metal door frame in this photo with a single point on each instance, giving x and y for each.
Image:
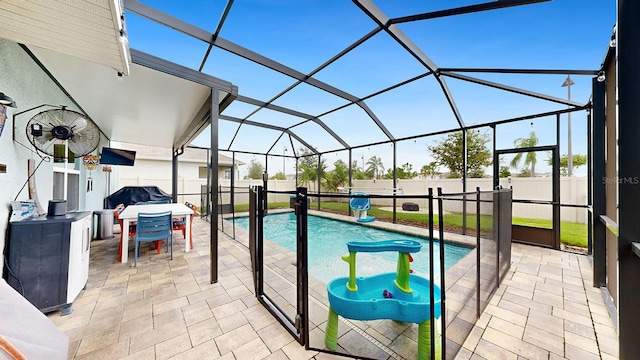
(299, 326)
(555, 180)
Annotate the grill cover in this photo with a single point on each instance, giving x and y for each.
(130, 195)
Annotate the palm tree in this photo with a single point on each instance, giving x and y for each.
(357, 171)
(308, 174)
(354, 166)
(375, 167)
(429, 170)
(308, 168)
(337, 177)
(530, 158)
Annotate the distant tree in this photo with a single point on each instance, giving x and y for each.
(375, 166)
(357, 172)
(448, 153)
(504, 172)
(341, 170)
(404, 172)
(524, 172)
(308, 168)
(323, 169)
(354, 165)
(429, 170)
(359, 175)
(278, 176)
(255, 170)
(337, 177)
(530, 159)
(578, 160)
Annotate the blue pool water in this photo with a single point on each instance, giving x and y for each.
(327, 243)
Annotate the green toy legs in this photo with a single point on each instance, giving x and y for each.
(424, 337)
(331, 332)
(424, 341)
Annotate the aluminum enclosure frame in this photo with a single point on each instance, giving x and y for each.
(389, 26)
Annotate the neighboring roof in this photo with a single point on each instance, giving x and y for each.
(191, 154)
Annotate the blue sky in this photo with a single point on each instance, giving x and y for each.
(559, 34)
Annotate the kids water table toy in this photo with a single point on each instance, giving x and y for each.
(399, 296)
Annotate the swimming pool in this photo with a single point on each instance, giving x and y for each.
(327, 243)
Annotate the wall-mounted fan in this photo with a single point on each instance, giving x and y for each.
(63, 127)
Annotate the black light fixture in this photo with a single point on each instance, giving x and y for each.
(7, 101)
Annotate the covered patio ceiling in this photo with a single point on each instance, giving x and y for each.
(160, 103)
(133, 97)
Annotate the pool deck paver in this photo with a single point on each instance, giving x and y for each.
(545, 308)
(564, 316)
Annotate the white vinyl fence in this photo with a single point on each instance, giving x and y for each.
(573, 190)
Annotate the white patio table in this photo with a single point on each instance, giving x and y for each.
(131, 212)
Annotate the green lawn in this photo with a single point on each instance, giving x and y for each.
(570, 233)
(245, 207)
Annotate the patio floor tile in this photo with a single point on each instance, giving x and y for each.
(544, 339)
(165, 309)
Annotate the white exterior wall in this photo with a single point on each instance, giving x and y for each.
(272, 185)
(28, 86)
(157, 172)
(573, 190)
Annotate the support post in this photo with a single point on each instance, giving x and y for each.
(395, 182)
(213, 190)
(598, 192)
(496, 161)
(350, 178)
(464, 181)
(319, 179)
(302, 309)
(232, 191)
(555, 178)
(174, 175)
(478, 253)
(209, 174)
(628, 55)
